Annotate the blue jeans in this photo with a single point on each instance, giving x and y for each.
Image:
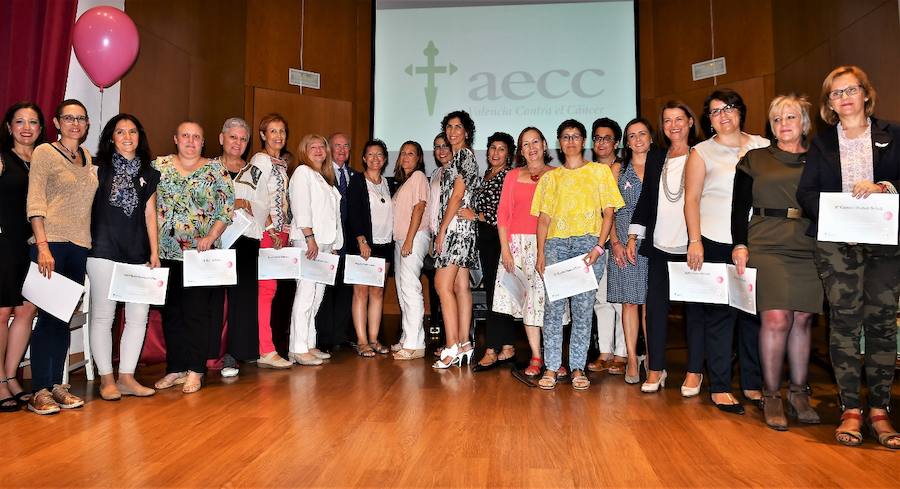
(50, 339)
(581, 305)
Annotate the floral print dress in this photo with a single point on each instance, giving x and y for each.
(188, 206)
(460, 247)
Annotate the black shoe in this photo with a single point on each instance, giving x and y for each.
(484, 368)
(730, 408)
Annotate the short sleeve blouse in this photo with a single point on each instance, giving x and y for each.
(575, 199)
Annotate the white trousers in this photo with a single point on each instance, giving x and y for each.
(102, 316)
(610, 334)
(307, 300)
(407, 275)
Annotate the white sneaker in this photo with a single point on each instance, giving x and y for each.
(230, 372)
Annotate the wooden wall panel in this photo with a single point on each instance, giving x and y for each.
(191, 66)
(331, 114)
(744, 37)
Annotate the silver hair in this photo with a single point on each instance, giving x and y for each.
(235, 122)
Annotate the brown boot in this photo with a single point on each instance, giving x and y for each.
(773, 410)
(798, 405)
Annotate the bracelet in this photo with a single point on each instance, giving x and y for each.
(599, 248)
(40, 242)
(691, 241)
(883, 187)
(309, 236)
(632, 237)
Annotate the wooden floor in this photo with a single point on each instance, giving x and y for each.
(358, 422)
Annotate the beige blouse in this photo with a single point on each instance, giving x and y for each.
(62, 193)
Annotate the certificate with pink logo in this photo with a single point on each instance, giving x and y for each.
(213, 267)
(708, 285)
(568, 278)
(279, 264)
(364, 272)
(846, 219)
(322, 268)
(139, 284)
(742, 289)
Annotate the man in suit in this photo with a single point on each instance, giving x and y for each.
(334, 323)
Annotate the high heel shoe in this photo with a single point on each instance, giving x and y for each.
(650, 387)
(691, 391)
(465, 356)
(449, 353)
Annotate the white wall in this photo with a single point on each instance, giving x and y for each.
(80, 87)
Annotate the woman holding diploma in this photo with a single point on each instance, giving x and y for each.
(273, 132)
(21, 131)
(411, 240)
(575, 206)
(500, 334)
(856, 154)
(194, 205)
(61, 187)
(658, 231)
(709, 182)
(316, 228)
(123, 228)
(774, 242)
(371, 225)
(517, 230)
(455, 247)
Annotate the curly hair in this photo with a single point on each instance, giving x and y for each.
(502, 137)
(467, 122)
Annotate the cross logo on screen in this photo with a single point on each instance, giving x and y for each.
(430, 70)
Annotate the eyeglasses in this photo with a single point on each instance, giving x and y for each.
(604, 139)
(574, 138)
(848, 91)
(71, 119)
(439, 147)
(728, 109)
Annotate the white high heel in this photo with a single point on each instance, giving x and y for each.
(465, 355)
(650, 387)
(692, 391)
(450, 352)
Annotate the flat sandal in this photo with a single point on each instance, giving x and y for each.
(548, 380)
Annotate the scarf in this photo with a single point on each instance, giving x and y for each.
(123, 194)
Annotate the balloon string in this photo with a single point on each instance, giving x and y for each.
(101, 104)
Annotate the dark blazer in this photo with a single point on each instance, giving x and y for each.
(646, 208)
(350, 172)
(359, 218)
(822, 172)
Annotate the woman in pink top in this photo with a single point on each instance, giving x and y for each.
(412, 239)
(518, 243)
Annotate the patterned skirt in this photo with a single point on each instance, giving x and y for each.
(524, 251)
(460, 246)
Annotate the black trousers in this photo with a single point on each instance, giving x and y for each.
(188, 319)
(658, 306)
(500, 327)
(242, 341)
(719, 322)
(51, 336)
(334, 321)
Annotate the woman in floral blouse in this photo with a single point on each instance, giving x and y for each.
(194, 205)
(500, 334)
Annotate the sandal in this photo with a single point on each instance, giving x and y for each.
(548, 381)
(364, 350)
(599, 365)
(534, 367)
(580, 381)
(507, 354)
(616, 368)
(853, 438)
(173, 378)
(379, 348)
(887, 439)
(9, 404)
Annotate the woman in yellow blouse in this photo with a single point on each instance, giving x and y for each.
(575, 206)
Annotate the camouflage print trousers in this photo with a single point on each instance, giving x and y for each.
(862, 284)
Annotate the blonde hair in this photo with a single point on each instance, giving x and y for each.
(327, 171)
(781, 102)
(827, 113)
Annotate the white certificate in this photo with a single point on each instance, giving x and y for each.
(322, 269)
(238, 225)
(569, 277)
(845, 219)
(139, 284)
(56, 295)
(515, 283)
(278, 264)
(708, 285)
(364, 272)
(742, 289)
(212, 267)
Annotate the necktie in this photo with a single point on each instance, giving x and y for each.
(342, 181)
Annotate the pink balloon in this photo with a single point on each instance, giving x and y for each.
(106, 44)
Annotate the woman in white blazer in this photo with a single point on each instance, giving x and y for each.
(316, 228)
